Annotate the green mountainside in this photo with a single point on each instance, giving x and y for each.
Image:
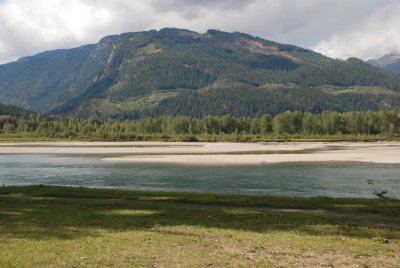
(49, 79)
(180, 72)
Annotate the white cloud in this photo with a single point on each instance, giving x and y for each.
(31, 26)
(339, 28)
(192, 9)
(373, 36)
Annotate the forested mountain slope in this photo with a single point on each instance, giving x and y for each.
(175, 71)
(45, 81)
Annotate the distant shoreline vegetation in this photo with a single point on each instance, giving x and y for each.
(327, 126)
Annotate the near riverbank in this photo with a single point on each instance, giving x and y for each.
(79, 227)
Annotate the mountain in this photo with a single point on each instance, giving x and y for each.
(180, 72)
(44, 81)
(389, 62)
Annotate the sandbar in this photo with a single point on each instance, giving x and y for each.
(217, 153)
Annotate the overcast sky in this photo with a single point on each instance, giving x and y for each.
(337, 28)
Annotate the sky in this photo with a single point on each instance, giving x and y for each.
(340, 28)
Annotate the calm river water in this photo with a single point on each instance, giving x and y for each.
(336, 180)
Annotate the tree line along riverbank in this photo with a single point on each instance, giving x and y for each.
(355, 126)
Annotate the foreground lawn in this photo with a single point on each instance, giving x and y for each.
(79, 227)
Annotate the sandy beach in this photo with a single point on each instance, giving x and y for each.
(217, 153)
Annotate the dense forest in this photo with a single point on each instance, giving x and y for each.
(287, 125)
(12, 110)
(256, 102)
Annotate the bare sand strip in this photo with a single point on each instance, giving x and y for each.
(217, 153)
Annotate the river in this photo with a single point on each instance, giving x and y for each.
(290, 179)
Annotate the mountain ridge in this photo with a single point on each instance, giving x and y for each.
(389, 62)
(136, 74)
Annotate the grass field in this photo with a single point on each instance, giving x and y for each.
(77, 227)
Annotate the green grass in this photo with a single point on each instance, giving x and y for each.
(360, 90)
(77, 227)
(151, 49)
(148, 101)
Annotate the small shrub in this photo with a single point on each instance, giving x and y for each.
(189, 139)
(380, 240)
(379, 194)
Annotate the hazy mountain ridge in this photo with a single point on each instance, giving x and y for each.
(389, 62)
(172, 71)
(46, 80)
